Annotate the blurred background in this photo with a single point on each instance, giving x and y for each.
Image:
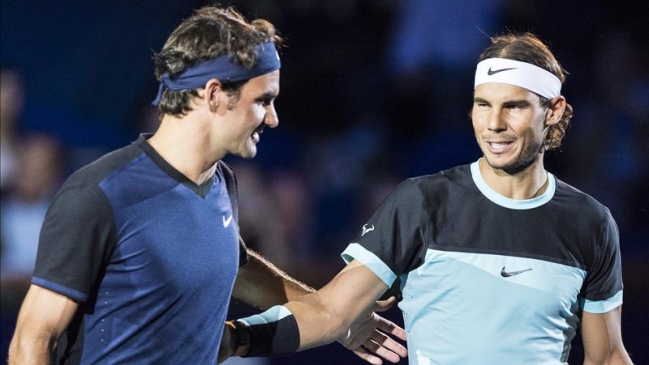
(372, 92)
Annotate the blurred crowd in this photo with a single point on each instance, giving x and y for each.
(372, 92)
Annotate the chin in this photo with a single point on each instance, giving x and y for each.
(248, 153)
(510, 166)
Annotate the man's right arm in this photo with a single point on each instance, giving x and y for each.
(43, 316)
(327, 314)
(332, 313)
(261, 284)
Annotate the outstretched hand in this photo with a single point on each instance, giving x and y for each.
(368, 336)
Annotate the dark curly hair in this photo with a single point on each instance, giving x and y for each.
(210, 32)
(529, 48)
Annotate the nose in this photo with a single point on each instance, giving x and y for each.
(271, 119)
(496, 121)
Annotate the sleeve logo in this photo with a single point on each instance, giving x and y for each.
(367, 228)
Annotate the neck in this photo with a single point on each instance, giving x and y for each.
(525, 184)
(184, 143)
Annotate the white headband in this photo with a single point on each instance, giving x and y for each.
(525, 75)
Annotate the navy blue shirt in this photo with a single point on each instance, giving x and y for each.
(150, 256)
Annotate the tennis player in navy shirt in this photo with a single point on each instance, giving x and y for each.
(140, 251)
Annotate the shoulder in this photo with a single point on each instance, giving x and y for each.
(576, 201)
(420, 193)
(83, 188)
(96, 171)
(453, 182)
(589, 220)
(456, 175)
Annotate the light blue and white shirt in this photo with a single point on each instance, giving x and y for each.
(485, 279)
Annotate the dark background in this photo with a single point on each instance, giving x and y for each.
(372, 92)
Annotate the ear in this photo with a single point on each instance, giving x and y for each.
(555, 112)
(213, 94)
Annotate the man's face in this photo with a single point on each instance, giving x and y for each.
(508, 122)
(245, 118)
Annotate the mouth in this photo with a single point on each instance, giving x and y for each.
(499, 147)
(255, 134)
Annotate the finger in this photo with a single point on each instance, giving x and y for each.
(377, 350)
(391, 328)
(376, 327)
(380, 341)
(368, 356)
(383, 305)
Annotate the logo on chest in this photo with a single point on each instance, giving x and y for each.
(506, 274)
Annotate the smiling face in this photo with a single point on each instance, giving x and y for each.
(509, 125)
(246, 117)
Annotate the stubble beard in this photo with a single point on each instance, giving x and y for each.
(522, 162)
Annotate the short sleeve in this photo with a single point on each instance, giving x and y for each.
(602, 289)
(396, 233)
(76, 240)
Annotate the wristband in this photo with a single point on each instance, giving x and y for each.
(242, 345)
(271, 333)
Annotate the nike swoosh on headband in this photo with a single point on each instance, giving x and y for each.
(493, 72)
(521, 74)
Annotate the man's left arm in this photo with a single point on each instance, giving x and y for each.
(602, 338)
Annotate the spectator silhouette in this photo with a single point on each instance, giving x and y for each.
(12, 96)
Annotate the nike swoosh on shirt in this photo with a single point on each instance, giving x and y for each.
(226, 222)
(493, 72)
(506, 274)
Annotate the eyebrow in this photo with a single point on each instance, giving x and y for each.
(269, 95)
(517, 103)
(509, 103)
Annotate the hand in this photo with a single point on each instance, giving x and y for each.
(228, 342)
(367, 336)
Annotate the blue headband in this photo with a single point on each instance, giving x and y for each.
(222, 68)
